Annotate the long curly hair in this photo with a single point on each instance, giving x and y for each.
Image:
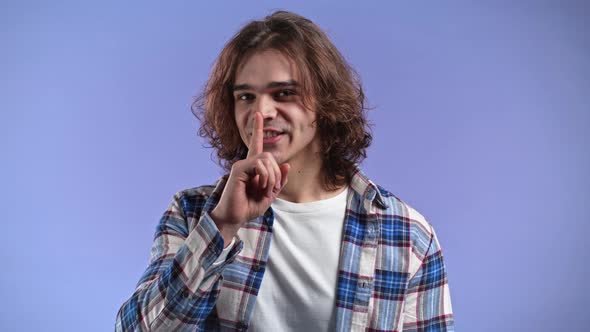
(329, 86)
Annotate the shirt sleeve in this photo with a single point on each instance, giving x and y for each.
(181, 283)
(221, 259)
(427, 303)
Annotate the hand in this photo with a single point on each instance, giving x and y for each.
(253, 184)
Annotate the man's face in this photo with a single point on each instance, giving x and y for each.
(267, 82)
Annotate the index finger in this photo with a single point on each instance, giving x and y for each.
(257, 136)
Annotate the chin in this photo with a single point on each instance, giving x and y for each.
(278, 157)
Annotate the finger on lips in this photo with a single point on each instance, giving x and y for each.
(256, 141)
(272, 177)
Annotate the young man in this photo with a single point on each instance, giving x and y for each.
(295, 237)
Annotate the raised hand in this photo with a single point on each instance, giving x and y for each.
(253, 184)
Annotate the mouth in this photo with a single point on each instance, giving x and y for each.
(272, 136)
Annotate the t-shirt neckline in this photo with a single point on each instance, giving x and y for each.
(328, 203)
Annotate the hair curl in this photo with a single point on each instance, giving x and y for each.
(328, 82)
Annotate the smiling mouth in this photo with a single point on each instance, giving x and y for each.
(272, 137)
(271, 134)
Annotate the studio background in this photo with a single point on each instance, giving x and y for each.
(480, 112)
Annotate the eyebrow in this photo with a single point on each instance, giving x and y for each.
(270, 85)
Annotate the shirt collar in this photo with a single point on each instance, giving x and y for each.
(366, 188)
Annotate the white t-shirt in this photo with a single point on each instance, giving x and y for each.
(298, 291)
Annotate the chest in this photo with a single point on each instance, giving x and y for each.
(371, 273)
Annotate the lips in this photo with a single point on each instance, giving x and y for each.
(272, 136)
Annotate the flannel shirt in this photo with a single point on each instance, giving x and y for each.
(391, 273)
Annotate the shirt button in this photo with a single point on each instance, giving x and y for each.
(184, 293)
(256, 267)
(364, 284)
(371, 233)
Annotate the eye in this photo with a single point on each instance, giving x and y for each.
(285, 94)
(244, 97)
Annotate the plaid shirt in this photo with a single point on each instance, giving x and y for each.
(391, 273)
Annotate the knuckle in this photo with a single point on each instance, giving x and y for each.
(237, 165)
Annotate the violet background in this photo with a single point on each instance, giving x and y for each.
(481, 116)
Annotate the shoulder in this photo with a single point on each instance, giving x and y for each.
(407, 224)
(185, 209)
(191, 200)
(198, 196)
(417, 228)
(195, 193)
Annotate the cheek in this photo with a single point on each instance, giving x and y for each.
(309, 126)
(307, 133)
(241, 123)
(311, 130)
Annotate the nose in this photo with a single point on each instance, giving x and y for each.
(266, 106)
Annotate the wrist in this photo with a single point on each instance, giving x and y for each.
(227, 229)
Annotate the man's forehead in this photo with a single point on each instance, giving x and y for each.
(269, 68)
(270, 85)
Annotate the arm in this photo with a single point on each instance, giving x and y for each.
(179, 288)
(427, 303)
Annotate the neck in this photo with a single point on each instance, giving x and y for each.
(306, 184)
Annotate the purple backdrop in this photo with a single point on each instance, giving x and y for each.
(481, 117)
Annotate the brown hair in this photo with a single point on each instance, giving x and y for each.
(328, 82)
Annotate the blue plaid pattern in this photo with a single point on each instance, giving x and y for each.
(391, 272)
